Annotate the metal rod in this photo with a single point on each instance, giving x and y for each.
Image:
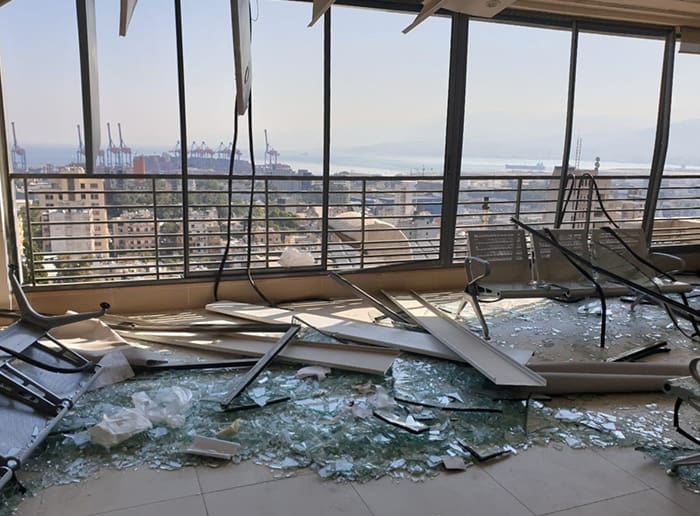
(155, 227)
(325, 195)
(663, 128)
(30, 238)
(363, 206)
(7, 213)
(569, 127)
(267, 223)
(183, 137)
(251, 375)
(454, 134)
(87, 45)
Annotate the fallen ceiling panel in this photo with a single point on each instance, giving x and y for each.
(356, 331)
(366, 333)
(489, 360)
(363, 359)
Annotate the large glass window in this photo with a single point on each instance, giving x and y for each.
(678, 208)
(138, 89)
(517, 83)
(515, 117)
(41, 83)
(389, 104)
(617, 99)
(209, 84)
(389, 93)
(287, 110)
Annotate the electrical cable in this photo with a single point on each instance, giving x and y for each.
(249, 249)
(232, 157)
(599, 199)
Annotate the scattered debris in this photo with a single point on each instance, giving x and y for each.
(115, 369)
(397, 418)
(238, 405)
(119, 427)
(313, 371)
(427, 414)
(231, 429)
(214, 448)
(168, 406)
(484, 453)
(454, 463)
(392, 312)
(641, 352)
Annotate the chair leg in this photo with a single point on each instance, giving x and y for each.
(468, 298)
(603, 321)
(462, 304)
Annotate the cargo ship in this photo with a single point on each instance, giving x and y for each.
(539, 166)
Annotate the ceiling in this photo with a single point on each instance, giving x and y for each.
(674, 13)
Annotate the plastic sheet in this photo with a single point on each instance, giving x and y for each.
(116, 429)
(168, 406)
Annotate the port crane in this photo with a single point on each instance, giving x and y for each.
(19, 155)
(124, 151)
(113, 153)
(271, 154)
(194, 150)
(205, 151)
(222, 152)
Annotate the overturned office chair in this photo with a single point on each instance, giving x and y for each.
(39, 381)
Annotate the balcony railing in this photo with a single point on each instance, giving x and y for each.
(123, 228)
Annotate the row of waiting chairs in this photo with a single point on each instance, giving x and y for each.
(500, 265)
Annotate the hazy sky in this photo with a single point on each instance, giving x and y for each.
(387, 87)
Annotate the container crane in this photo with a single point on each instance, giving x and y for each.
(176, 151)
(221, 151)
(124, 151)
(194, 150)
(206, 151)
(19, 155)
(271, 154)
(113, 153)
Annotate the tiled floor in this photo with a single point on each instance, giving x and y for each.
(536, 481)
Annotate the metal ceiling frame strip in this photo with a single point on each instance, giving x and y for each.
(489, 360)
